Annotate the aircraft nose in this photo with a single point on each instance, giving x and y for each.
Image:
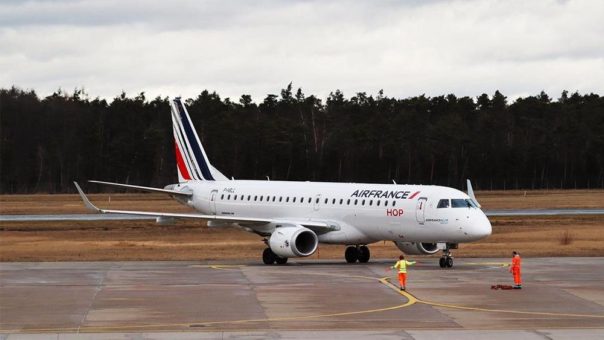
(478, 226)
(483, 227)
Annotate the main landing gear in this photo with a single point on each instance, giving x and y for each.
(268, 257)
(446, 261)
(357, 253)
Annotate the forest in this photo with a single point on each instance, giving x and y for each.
(536, 142)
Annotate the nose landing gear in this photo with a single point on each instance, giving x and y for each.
(446, 261)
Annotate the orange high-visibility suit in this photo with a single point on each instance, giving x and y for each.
(402, 271)
(515, 269)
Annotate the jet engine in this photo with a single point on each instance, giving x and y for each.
(417, 248)
(293, 241)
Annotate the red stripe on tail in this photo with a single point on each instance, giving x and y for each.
(181, 163)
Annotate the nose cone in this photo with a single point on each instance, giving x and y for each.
(482, 227)
(478, 226)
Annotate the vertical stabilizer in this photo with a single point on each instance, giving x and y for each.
(191, 159)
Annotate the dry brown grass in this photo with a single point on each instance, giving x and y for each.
(192, 240)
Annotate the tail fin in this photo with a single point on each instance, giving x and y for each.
(191, 159)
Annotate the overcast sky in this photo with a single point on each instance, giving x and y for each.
(407, 48)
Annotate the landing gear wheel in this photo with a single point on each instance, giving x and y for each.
(281, 260)
(268, 257)
(446, 262)
(351, 254)
(364, 254)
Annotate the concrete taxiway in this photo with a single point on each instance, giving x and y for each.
(561, 298)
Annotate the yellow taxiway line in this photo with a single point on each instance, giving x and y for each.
(411, 300)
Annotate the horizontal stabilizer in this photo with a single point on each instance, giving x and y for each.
(128, 186)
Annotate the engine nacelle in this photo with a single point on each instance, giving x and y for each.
(293, 241)
(162, 220)
(417, 248)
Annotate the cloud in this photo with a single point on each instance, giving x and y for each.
(248, 47)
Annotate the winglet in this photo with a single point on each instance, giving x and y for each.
(471, 193)
(87, 203)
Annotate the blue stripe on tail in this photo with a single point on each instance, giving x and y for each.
(201, 160)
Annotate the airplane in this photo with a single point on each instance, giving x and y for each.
(294, 217)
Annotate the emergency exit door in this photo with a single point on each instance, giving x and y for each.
(420, 210)
(213, 195)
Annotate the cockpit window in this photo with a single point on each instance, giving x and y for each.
(444, 203)
(462, 203)
(472, 203)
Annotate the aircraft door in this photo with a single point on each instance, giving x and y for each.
(317, 202)
(420, 210)
(213, 195)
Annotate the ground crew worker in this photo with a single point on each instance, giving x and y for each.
(401, 265)
(515, 270)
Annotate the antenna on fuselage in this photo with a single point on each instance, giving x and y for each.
(268, 178)
(393, 181)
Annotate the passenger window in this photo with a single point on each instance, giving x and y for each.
(444, 203)
(280, 198)
(317, 200)
(341, 201)
(249, 197)
(222, 196)
(356, 201)
(255, 198)
(229, 197)
(370, 202)
(393, 203)
(377, 203)
(261, 198)
(363, 202)
(235, 198)
(348, 201)
(310, 198)
(287, 199)
(294, 200)
(326, 200)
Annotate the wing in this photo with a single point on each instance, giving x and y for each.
(318, 226)
(543, 212)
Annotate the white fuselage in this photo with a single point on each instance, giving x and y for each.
(363, 213)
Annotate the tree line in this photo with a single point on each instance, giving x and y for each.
(533, 142)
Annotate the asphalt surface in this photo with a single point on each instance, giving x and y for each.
(562, 298)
